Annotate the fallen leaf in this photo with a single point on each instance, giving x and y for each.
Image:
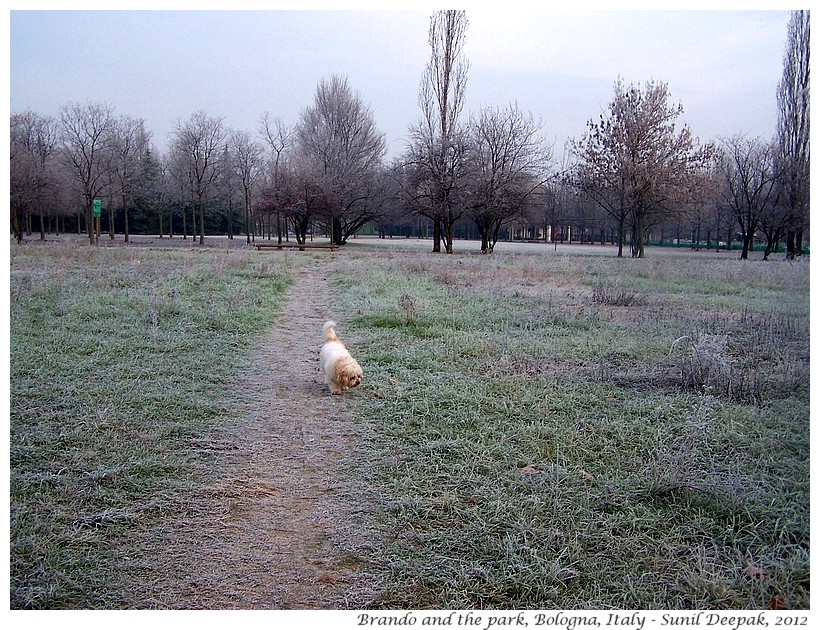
(777, 602)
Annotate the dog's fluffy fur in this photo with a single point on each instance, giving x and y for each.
(341, 370)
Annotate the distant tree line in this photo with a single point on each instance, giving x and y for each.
(632, 178)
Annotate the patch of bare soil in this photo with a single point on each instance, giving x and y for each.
(276, 528)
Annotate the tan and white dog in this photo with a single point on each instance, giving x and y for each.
(341, 370)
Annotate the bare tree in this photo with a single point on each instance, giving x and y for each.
(747, 167)
(279, 138)
(793, 130)
(508, 158)
(775, 219)
(699, 214)
(723, 218)
(248, 167)
(129, 144)
(437, 142)
(394, 217)
(227, 185)
(634, 163)
(33, 146)
(299, 196)
(198, 144)
(542, 217)
(337, 140)
(180, 186)
(87, 134)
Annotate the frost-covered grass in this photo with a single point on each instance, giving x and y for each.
(537, 430)
(540, 442)
(121, 363)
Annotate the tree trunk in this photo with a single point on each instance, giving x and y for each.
(337, 231)
(771, 246)
(790, 245)
(247, 221)
(17, 229)
(485, 241)
(111, 218)
(494, 237)
(89, 220)
(201, 222)
(230, 218)
(448, 237)
(639, 235)
(125, 217)
(747, 246)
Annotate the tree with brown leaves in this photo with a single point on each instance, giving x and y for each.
(634, 163)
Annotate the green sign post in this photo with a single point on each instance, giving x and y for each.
(97, 214)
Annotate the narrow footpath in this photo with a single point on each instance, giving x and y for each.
(276, 529)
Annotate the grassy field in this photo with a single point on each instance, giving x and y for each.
(119, 365)
(585, 432)
(539, 431)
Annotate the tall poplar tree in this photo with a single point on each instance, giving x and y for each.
(438, 144)
(793, 131)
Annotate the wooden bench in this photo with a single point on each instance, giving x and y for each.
(301, 248)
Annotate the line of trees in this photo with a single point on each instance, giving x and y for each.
(634, 175)
(328, 169)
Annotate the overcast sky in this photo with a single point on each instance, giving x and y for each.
(162, 66)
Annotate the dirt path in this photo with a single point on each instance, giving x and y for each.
(278, 530)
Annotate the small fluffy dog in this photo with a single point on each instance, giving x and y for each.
(341, 370)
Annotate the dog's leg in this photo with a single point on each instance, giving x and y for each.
(332, 385)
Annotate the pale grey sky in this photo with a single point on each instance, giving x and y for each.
(162, 66)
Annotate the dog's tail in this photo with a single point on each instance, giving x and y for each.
(329, 333)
